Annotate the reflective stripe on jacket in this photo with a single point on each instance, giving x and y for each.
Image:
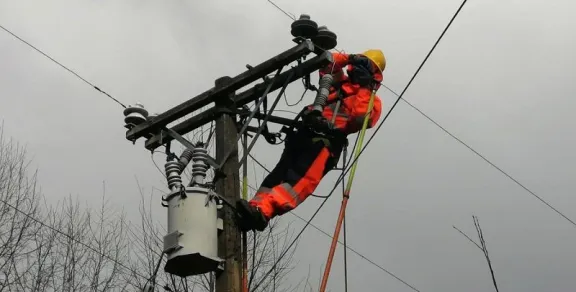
(355, 99)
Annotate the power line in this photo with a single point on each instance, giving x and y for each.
(489, 162)
(347, 247)
(31, 217)
(309, 222)
(467, 146)
(292, 16)
(461, 142)
(375, 132)
(121, 104)
(60, 64)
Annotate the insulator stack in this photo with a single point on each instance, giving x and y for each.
(185, 158)
(304, 27)
(135, 115)
(323, 90)
(325, 38)
(200, 165)
(173, 174)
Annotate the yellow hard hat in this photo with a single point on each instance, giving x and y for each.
(377, 57)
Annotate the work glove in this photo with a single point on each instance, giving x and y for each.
(360, 61)
(362, 69)
(316, 121)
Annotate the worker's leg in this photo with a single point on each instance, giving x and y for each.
(303, 175)
(276, 176)
(252, 218)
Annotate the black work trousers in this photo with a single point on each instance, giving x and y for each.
(306, 159)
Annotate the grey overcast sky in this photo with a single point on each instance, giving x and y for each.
(502, 80)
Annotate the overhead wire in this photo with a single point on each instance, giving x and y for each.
(356, 252)
(346, 247)
(61, 65)
(113, 99)
(308, 222)
(375, 132)
(299, 100)
(292, 16)
(490, 162)
(400, 97)
(388, 88)
(369, 140)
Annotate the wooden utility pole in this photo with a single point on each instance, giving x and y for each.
(228, 187)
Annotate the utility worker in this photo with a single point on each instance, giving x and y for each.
(314, 149)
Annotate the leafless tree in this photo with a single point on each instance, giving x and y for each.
(83, 249)
(73, 249)
(19, 203)
(62, 248)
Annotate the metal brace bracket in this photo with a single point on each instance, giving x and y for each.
(211, 196)
(224, 200)
(188, 145)
(171, 243)
(253, 113)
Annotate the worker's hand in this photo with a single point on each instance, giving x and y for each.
(362, 70)
(360, 61)
(352, 58)
(316, 121)
(311, 117)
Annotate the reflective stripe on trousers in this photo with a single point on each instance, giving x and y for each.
(296, 185)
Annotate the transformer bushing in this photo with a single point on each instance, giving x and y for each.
(323, 91)
(192, 240)
(173, 175)
(185, 158)
(200, 165)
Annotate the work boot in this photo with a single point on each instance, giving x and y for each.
(250, 217)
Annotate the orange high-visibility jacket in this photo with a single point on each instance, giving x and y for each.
(354, 105)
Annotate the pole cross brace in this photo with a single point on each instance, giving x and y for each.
(187, 144)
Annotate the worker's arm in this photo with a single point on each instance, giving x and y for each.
(335, 68)
(360, 108)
